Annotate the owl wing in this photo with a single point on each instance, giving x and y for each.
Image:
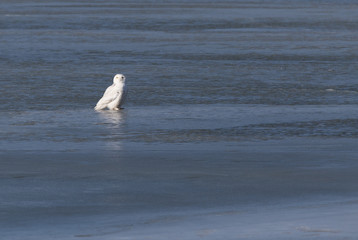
(109, 95)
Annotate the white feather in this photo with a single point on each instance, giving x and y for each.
(114, 96)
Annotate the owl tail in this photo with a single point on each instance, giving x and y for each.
(99, 107)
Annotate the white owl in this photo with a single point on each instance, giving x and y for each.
(114, 96)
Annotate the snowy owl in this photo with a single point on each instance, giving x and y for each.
(114, 96)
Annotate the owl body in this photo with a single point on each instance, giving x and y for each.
(114, 96)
